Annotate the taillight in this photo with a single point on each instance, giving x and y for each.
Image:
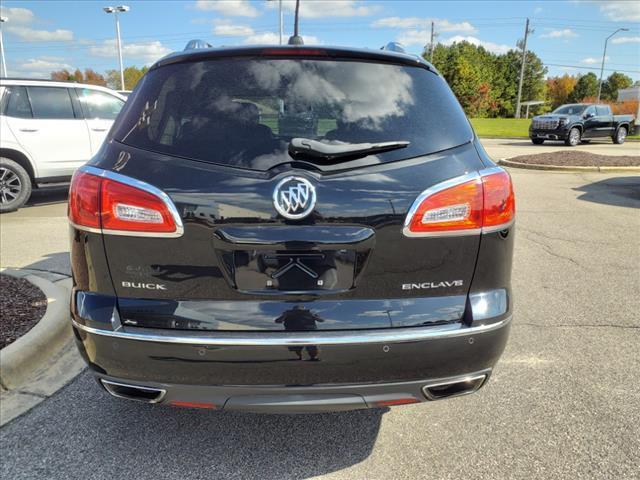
(466, 205)
(115, 204)
(499, 201)
(84, 200)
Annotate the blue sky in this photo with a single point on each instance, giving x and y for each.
(42, 36)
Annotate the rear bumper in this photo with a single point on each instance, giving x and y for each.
(294, 371)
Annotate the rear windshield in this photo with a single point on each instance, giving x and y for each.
(245, 111)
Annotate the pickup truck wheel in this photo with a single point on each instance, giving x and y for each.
(537, 141)
(15, 185)
(573, 139)
(620, 136)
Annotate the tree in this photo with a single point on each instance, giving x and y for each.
(132, 76)
(614, 82)
(90, 77)
(586, 86)
(486, 83)
(93, 78)
(559, 89)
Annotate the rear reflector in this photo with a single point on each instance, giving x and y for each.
(396, 401)
(108, 202)
(465, 205)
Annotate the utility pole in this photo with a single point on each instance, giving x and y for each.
(524, 58)
(604, 56)
(431, 42)
(4, 60)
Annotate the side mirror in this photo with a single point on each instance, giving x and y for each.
(589, 115)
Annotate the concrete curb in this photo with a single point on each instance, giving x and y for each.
(558, 168)
(43, 360)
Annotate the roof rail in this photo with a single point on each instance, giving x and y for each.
(394, 47)
(196, 44)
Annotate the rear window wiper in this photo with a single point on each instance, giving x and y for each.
(308, 149)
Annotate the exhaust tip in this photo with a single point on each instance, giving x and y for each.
(133, 392)
(454, 388)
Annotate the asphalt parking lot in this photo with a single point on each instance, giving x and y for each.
(564, 401)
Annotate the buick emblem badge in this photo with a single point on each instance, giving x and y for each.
(294, 197)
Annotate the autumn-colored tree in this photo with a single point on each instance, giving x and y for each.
(132, 76)
(89, 76)
(559, 89)
(63, 75)
(94, 78)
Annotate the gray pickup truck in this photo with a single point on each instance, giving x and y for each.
(581, 122)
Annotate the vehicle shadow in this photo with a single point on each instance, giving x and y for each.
(617, 191)
(47, 196)
(58, 263)
(112, 438)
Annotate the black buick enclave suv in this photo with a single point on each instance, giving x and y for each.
(291, 229)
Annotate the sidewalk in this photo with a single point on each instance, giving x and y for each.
(45, 359)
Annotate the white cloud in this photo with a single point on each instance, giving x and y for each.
(39, 67)
(591, 60)
(564, 33)
(420, 37)
(18, 15)
(441, 25)
(490, 46)
(328, 8)
(625, 40)
(621, 11)
(413, 37)
(147, 52)
(227, 28)
(33, 35)
(270, 38)
(18, 25)
(233, 8)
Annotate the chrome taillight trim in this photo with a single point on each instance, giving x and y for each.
(452, 182)
(132, 182)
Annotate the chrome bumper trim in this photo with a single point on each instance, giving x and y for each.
(288, 339)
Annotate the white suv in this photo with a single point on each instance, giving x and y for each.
(47, 130)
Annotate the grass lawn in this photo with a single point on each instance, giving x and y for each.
(506, 127)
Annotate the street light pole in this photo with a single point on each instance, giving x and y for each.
(604, 54)
(116, 11)
(281, 20)
(4, 61)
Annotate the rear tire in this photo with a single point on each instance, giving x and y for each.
(620, 136)
(537, 141)
(15, 185)
(573, 139)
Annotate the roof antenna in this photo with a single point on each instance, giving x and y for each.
(296, 39)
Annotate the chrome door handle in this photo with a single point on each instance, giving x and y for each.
(28, 129)
(99, 129)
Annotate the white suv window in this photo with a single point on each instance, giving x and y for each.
(51, 102)
(16, 103)
(100, 105)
